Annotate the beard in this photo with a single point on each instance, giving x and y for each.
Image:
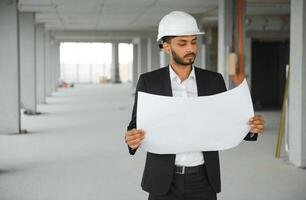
(180, 60)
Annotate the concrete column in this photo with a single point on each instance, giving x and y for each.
(115, 63)
(57, 64)
(40, 63)
(143, 56)
(248, 59)
(200, 59)
(27, 62)
(297, 86)
(153, 54)
(52, 68)
(54, 63)
(164, 59)
(224, 36)
(48, 76)
(9, 68)
(211, 47)
(135, 65)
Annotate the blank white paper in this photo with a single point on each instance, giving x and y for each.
(183, 124)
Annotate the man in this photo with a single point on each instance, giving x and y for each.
(190, 175)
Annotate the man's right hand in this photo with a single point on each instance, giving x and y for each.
(134, 137)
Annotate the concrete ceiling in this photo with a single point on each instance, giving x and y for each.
(105, 15)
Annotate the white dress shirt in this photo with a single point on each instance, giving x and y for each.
(187, 88)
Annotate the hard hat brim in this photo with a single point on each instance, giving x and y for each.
(159, 37)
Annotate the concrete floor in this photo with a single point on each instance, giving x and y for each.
(75, 151)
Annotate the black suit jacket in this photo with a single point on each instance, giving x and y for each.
(159, 169)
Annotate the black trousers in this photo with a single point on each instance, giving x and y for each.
(193, 186)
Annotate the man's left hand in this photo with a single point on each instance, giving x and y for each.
(257, 124)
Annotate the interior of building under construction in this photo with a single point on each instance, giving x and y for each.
(68, 72)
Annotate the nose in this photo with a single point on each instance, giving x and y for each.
(191, 48)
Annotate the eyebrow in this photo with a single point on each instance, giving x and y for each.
(183, 40)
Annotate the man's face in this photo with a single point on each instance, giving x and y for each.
(182, 49)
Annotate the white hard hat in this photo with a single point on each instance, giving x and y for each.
(177, 23)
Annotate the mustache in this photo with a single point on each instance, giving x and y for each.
(190, 54)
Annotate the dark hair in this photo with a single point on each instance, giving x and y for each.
(165, 39)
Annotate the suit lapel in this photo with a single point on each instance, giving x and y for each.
(201, 85)
(166, 83)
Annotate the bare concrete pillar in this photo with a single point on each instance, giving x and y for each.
(48, 71)
(153, 54)
(211, 48)
(200, 59)
(9, 68)
(54, 63)
(143, 56)
(224, 36)
(164, 59)
(40, 64)
(57, 64)
(135, 65)
(115, 63)
(248, 59)
(297, 86)
(27, 62)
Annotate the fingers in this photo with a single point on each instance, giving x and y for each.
(134, 137)
(134, 144)
(257, 119)
(257, 124)
(134, 134)
(257, 129)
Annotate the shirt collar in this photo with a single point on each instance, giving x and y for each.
(173, 75)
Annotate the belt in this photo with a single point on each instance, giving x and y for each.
(188, 170)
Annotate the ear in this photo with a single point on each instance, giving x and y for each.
(166, 47)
